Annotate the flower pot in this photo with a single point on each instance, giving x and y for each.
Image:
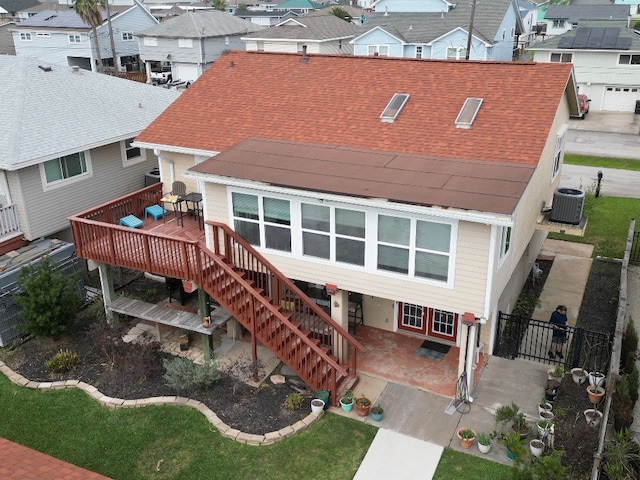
(377, 415)
(206, 322)
(544, 427)
(346, 406)
(466, 442)
(189, 286)
(324, 396)
(547, 415)
(363, 406)
(596, 379)
(544, 407)
(484, 448)
(551, 377)
(511, 455)
(579, 375)
(595, 394)
(593, 417)
(317, 406)
(537, 447)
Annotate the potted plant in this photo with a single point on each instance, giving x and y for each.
(363, 404)
(521, 425)
(595, 394)
(544, 406)
(514, 444)
(506, 414)
(346, 401)
(579, 375)
(556, 373)
(484, 442)
(552, 390)
(621, 404)
(466, 436)
(317, 406)
(544, 427)
(547, 415)
(377, 412)
(537, 447)
(593, 417)
(596, 379)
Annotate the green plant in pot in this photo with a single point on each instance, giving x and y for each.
(467, 436)
(484, 442)
(346, 401)
(515, 445)
(506, 414)
(363, 405)
(377, 412)
(520, 425)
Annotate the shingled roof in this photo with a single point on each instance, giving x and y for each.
(321, 128)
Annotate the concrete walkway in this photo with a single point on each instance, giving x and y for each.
(633, 315)
(418, 419)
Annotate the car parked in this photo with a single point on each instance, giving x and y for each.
(162, 76)
(583, 106)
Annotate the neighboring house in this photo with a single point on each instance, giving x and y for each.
(412, 193)
(562, 18)
(298, 6)
(61, 37)
(67, 144)
(6, 39)
(320, 34)
(529, 16)
(265, 18)
(11, 9)
(192, 41)
(606, 59)
(496, 28)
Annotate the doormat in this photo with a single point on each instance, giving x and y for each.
(432, 350)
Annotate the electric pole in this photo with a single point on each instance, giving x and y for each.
(473, 12)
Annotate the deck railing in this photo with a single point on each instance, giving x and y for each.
(8, 220)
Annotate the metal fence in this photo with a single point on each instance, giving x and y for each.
(634, 256)
(519, 337)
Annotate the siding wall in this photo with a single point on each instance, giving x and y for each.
(53, 49)
(206, 51)
(45, 213)
(411, 6)
(135, 20)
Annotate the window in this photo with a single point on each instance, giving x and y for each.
(226, 40)
(150, 41)
(380, 50)
(262, 221)
(64, 168)
(468, 112)
(558, 24)
(513, 32)
(428, 321)
(412, 317)
(414, 247)
(25, 36)
(557, 156)
(185, 43)
(456, 53)
(40, 34)
(75, 39)
(561, 57)
(505, 241)
(130, 154)
(443, 323)
(333, 233)
(394, 107)
(127, 36)
(419, 51)
(629, 60)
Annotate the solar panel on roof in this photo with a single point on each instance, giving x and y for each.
(582, 37)
(623, 44)
(566, 42)
(610, 37)
(595, 37)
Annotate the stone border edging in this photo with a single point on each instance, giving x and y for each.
(116, 403)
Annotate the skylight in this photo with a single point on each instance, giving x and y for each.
(394, 107)
(468, 113)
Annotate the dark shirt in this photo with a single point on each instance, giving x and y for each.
(559, 319)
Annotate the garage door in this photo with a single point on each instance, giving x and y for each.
(620, 99)
(185, 72)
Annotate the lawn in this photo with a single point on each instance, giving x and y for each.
(170, 442)
(602, 162)
(455, 466)
(608, 224)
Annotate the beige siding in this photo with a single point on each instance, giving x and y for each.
(45, 213)
(178, 164)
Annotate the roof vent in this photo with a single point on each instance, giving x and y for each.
(44, 68)
(394, 107)
(468, 113)
(75, 68)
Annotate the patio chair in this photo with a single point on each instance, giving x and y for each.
(156, 211)
(178, 188)
(131, 221)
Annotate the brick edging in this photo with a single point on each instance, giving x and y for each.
(116, 403)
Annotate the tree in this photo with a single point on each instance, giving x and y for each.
(89, 11)
(49, 299)
(220, 5)
(105, 4)
(341, 13)
(242, 7)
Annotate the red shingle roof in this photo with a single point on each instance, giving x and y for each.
(337, 101)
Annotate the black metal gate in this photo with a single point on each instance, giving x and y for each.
(635, 248)
(518, 337)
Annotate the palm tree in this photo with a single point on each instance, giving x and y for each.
(89, 11)
(105, 4)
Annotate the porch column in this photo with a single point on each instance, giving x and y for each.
(106, 283)
(340, 313)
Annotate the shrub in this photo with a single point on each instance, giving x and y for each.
(621, 456)
(629, 348)
(633, 382)
(49, 300)
(142, 361)
(184, 375)
(63, 361)
(293, 402)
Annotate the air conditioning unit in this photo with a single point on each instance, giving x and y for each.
(567, 206)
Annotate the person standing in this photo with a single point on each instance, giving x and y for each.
(558, 321)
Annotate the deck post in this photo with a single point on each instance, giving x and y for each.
(207, 347)
(106, 283)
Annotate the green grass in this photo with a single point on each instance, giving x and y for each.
(602, 162)
(456, 465)
(607, 226)
(170, 442)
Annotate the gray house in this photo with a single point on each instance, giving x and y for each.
(192, 41)
(60, 37)
(562, 18)
(66, 144)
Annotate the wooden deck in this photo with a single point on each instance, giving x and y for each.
(172, 317)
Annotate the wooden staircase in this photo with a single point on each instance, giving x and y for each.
(268, 304)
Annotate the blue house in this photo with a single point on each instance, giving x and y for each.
(443, 31)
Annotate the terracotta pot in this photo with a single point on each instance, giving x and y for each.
(362, 407)
(595, 394)
(206, 322)
(466, 442)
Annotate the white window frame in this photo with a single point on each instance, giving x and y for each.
(124, 150)
(150, 42)
(460, 53)
(74, 39)
(127, 36)
(373, 49)
(630, 60)
(185, 43)
(557, 155)
(261, 222)
(561, 57)
(419, 51)
(557, 24)
(506, 239)
(88, 173)
(25, 37)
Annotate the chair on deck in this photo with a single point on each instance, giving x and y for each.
(131, 221)
(156, 211)
(178, 188)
